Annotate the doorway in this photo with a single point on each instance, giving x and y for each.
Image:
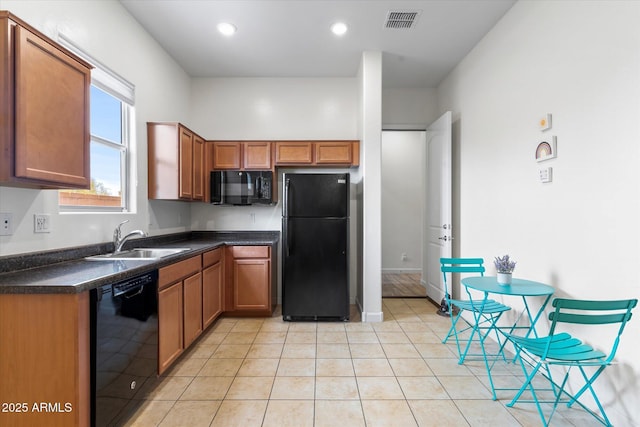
(403, 199)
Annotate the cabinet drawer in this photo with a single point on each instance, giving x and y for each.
(211, 257)
(250, 251)
(179, 270)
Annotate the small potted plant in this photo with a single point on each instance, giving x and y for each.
(504, 268)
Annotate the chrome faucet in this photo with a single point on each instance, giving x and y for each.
(119, 241)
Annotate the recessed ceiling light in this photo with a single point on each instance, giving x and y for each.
(226, 29)
(339, 28)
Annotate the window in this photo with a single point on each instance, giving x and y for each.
(111, 110)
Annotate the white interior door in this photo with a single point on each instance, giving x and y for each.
(438, 204)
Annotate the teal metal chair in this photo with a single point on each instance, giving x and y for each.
(485, 313)
(560, 348)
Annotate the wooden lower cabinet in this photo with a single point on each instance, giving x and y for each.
(212, 281)
(44, 360)
(249, 281)
(170, 325)
(192, 292)
(179, 293)
(251, 284)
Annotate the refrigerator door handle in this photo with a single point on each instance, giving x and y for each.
(285, 214)
(289, 240)
(285, 202)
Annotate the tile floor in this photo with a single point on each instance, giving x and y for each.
(266, 372)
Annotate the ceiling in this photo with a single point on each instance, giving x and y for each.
(291, 38)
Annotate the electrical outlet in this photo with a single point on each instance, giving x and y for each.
(41, 223)
(6, 224)
(403, 257)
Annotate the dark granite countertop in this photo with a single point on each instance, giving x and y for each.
(66, 270)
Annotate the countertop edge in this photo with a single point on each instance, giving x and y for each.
(15, 282)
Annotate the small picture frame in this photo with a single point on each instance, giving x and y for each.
(544, 122)
(546, 150)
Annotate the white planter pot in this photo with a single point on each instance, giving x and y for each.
(504, 278)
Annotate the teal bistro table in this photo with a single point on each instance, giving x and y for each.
(522, 288)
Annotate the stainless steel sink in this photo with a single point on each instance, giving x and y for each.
(142, 254)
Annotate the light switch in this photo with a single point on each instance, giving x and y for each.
(545, 174)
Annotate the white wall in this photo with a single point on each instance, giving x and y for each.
(580, 61)
(370, 125)
(403, 191)
(108, 33)
(409, 108)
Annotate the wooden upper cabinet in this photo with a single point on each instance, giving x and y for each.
(176, 163)
(294, 152)
(227, 155)
(317, 153)
(199, 176)
(44, 98)
(186, 164)
(256, 155)
(333, 153)
(242, 155)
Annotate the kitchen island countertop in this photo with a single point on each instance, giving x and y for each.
(66, 270)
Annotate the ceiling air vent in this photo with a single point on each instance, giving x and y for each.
(401, 19)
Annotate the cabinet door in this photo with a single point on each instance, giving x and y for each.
(333, 153)
(198, 168)
(257, 155)
(186, 164)
(251, 284)
(211, 293)
(192, 308)
(170, 325)
(226, 155)
(294, 153)
(51, 114)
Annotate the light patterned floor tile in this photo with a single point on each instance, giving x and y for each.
(372, 368)
(430, 413)
(220, 367)
(410, 367)
(293, 388)
(207, 388)
(297, 368)
(385, 413)
(240, 413)
(289, 413)
(334, 368)
(349, 412)
(342, 388)
(487, 413)
(259, 368)
(375, 388)
(250, 388)
(191, 413)
(422, 388)
(333, 351)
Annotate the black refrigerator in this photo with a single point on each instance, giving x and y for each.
(315, 258)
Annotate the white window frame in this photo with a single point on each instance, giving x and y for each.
(110, 82)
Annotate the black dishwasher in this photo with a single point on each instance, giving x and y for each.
(124, 346)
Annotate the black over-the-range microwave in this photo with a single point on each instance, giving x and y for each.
(236, 187)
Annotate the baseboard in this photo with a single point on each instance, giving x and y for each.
(372, 317)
